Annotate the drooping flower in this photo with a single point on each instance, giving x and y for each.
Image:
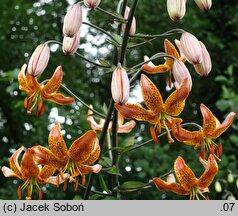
(37, 92)
(122, 128)
(39, 60)
(176, 9)
(92, 4)
(211, 129)
(188, 184)
(133, 24)
(70, 44)
(204, 4)
(72, 20)
(30, 173)
(170, 49)
(76, 160)
(159, 113)
(204, 68)
(120, 85)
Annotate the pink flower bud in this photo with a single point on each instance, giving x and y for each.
(72, 20)
(191, 48)
(70, 44)
(176, 9)
(204, 68)
(39, 60)
(91, 3)
(204, 4)
(180, 72)
(133, 24)
(120, 85)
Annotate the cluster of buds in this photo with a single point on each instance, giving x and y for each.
(177, 8)
(196, 53)
(71, 29)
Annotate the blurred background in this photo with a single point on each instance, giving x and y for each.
(26, 24)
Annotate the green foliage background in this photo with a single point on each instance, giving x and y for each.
(25, 24)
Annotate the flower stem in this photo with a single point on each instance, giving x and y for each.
(81, 101)
(111, 14)
(102, 30)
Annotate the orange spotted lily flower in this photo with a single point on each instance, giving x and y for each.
(76, 160)
(159, 113)
(122, 128)
(211, 129)
(188, 183)
(37, 92)
(29, 172)
(167, 66)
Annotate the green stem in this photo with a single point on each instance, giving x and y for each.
(81, 56)
(111, 14)
(171, 32)
(81, 101)
(141, 44)
(126, 33)
(102, 30)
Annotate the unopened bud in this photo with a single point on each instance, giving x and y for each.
(176, 9)
(191, 48)
(91, 3)
(70, 44)
(204, 68)
(133, 24)
(218, 187)
(204, 4)
(72, 20)
(180, 72)
(231, 197)
(230, 178)
(120, 85)
(39, 60)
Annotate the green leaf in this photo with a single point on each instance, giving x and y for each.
(105, 161)
(104, 63)
(130, 186)
(103, 183)
(114, 171)
(128, 142)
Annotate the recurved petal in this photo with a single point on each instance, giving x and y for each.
(207, 177)
(84, 169)
(194, 138)
(8, 172)
(127, 127)
(93, 124)
(150, 69)
(152, 97)
(137, 112)
(54, 83)
(44, 156)
(22, 80)
(210, 122)
(46, 172)
(94, 154)
(174, 187)
(224, 126)
(82, 148)
(59, 99)
(184, 174)
(14, 164)
(28, 166)
(174, 104)
(170, 50)
(56, 180)
(56, 142)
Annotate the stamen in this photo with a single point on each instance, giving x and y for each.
(170, 139)
(19, 192)
(65, 185)
(76, 184)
